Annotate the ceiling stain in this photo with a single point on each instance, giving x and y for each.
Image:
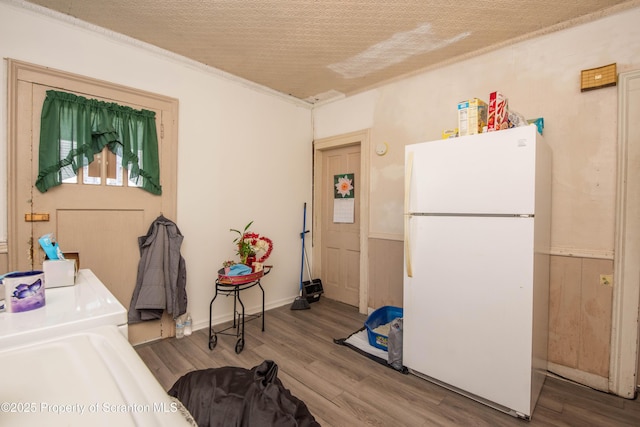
(393, 51)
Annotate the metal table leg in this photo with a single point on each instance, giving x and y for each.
(213, 338)
(240, 342)
(262, 289)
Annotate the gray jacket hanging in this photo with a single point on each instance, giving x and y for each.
(162, 275)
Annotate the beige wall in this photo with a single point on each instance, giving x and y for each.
(541, 79)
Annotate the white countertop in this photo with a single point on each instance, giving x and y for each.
(87, 304)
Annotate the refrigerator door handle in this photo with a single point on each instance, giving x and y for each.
(407, 194)
(407, 245)
(407, 182)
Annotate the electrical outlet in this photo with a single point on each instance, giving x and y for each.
(606, 279)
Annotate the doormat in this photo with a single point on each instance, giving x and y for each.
(359, 342)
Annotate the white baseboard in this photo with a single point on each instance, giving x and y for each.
(226, 317)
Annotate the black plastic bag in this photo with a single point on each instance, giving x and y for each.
(232, 396)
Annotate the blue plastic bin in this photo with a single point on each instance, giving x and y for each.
(381, 316)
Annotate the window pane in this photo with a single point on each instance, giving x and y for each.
(114, 170)
(70, 180)
(91, 173)
(67, 175)
(86, 178)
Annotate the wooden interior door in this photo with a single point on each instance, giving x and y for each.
(340, 244)
(98, 217)
(625, 348)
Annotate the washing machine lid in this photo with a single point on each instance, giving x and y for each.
(87, 304)
(92, 377)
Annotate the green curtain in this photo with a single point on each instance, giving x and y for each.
(73, 129)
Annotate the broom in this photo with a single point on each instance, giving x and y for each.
(301, 303)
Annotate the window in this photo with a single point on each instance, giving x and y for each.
(99, 140)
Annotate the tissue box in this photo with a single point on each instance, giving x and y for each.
(59, 272)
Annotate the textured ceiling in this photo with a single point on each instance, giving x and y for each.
(319, 49)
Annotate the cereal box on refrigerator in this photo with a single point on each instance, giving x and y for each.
(472, 116)
(498, 118)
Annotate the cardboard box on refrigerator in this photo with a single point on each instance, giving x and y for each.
(498, 118)
(59, 272)
(472, 116)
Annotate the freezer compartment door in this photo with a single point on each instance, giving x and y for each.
(492, 173)
(468, 306)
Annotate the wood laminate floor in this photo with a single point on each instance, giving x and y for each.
(343, 388)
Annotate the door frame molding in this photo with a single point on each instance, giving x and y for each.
(623, 362)
(319, 147)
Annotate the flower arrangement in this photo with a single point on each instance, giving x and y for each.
(250, 244)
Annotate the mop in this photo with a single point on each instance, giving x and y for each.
(301, 303)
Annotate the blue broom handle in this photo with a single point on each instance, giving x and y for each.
(304, 226)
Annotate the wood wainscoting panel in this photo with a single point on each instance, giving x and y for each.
(595, 322)
(4, 263)
(580, 315)
(564, 310)
(385, 272)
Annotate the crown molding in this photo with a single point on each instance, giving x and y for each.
(121, 38)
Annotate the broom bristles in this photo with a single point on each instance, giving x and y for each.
(300, 303)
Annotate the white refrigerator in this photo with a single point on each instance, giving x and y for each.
(476, 274)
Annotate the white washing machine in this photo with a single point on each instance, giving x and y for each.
(69, 363)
